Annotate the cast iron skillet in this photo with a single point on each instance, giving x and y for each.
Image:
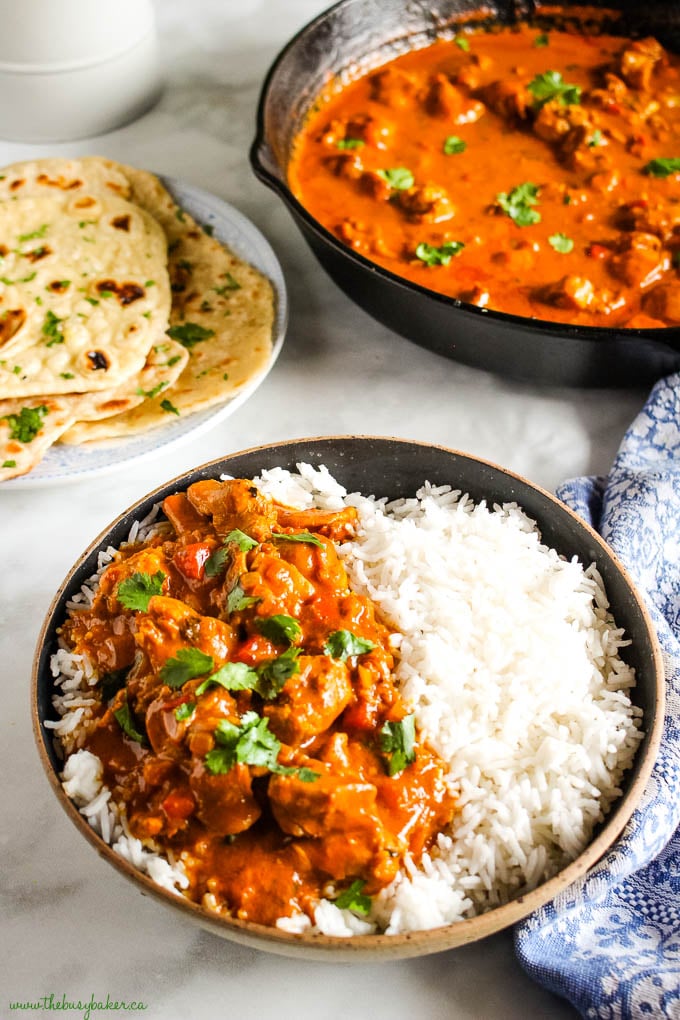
(349, 39)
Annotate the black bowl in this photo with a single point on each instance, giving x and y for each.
(357, 35)
(386, 467)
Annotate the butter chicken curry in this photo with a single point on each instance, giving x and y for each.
(249, 723)
(530, 172)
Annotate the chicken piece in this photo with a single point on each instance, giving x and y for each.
(335, 524)
(641, 262)
(185, 518)
(236, 503)
(511, 100)
(147, 561)
(310, 700)
(663, 303)
(374, 692)
(580, 294)
(659, 218)
(224, 802)
(345, 164)
(429, 204)
(170, 625)
(279, 585)
(331, 803)
(361, 127)
(444, 99)
(638, 62)
(316, 563)
(393, 88)
(375, 185)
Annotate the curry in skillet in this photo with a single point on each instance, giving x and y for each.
(530, 172)
(249, 723)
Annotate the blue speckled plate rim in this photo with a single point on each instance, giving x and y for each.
(65, 463)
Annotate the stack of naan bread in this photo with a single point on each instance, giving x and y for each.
(118, 312)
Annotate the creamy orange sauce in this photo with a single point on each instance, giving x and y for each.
(511, 169)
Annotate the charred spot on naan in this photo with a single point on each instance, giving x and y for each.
(125, 293)
(11, 322)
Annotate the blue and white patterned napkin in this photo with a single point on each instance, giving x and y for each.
(610, 943)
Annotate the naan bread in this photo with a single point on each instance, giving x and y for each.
(83, 295)
(29, 427)
(87, 175)
(222, 310)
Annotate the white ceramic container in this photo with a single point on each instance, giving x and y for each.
(75, 68)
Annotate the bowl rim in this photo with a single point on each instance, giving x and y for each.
(361, 947)
(668, 336)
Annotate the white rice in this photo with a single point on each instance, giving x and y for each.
(509, 658)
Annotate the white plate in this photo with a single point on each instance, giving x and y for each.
(64, 463)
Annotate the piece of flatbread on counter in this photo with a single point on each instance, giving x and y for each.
(83, 296)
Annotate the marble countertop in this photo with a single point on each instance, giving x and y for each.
(71, 926)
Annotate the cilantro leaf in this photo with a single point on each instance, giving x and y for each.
(350, 143)
(216, 562)
(52, 328)
(26, 425)
(462, 43)
(541, 40)
(397, 742)
(251, 743)
(273, 674)
(550, 85)
(112, 682)
(518, 204)
(281, 629)
(662, 167)
(398, 177)
(136, 592)
(188, 663)
(301, 536)
(185, 710)
(168, 406)
(233, 676)
(40, 232)
(561, 243)
(238, 600)
(438, 256)
(126, 721)
(239, 538)
(189, 334)
(341, 644)
(354, 899)
(454, 145)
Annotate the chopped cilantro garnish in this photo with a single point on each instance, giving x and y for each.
(397, 743)
(250, 743)
(187, 664)
(595, 139)
(179, 213)
(112, 682)
(272, 675)
(126, 721)
(150, 283)
(231, 284)
(561, 243)
(518, 204)
(25, 425)
(92, 301)
(398, 177)
(662, 167)
(350, 143)
(9, 463)
(167, 405)
(550, 85)
(239, 538)
(237, 600)
(136, 592)
(189, 333)
(153, 392)
(67, 375)
(432, 255)
(281, 629)
(105, 293)
(173, 360)
(40, 232)
(53, 329)
(208, 229)
(354, 899)
(233, 676)
(185, 710)
(341, 644)
(462, 43)
(453, 145)
(24, 279)
(541, 40)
